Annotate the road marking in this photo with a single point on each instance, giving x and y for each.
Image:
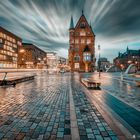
(74, 126)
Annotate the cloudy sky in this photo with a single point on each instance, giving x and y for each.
(116, 23)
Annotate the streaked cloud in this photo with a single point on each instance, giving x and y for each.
(46, 22)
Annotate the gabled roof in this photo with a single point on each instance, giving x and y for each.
(83, 16)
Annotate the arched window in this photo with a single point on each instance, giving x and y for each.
(87, 57)
(77, 57)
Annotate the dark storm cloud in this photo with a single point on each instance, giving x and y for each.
(121, 18)
(46, 22)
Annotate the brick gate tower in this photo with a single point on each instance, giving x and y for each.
(81, 46)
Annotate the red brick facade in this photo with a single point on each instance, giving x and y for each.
(81, 49)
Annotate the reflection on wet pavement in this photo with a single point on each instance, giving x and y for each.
(40, 109)
(91, 124)
(126, 91)
(122, 98)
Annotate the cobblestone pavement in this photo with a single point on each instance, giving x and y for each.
(122, 97)
(40, 109)
(91, 124)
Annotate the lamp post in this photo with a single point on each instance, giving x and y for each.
(99, 60)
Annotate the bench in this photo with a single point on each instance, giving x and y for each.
(91, 84)
(14, 81)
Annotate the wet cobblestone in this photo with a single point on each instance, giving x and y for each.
(41, 110)
(91, 124)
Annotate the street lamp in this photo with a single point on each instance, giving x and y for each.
(99, 60)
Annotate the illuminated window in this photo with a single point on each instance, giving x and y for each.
(1, 35)
(76, 65)
(0, 40)
(82, 33)
(4, 36)
(88, 41)
(87, 56)
(19, 43)
(76, 41)
(8, 38)
(82, 41)
(88, 33)
(77, 58)
(71, 41)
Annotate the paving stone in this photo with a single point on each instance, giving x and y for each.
(98, 137)
(90, 136)
(104, 134)
(60, 134)
(67, 131)
(88, 130)
(67, 137)
(49, 128)
(60, 129)
(1, 135)
(20, 136)
(83, 138)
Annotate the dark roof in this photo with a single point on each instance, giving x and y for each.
(32, 46)
(71, 23)
(129, 52)
(133, 52)
(27, 44)
(86, 49)
(103, 59)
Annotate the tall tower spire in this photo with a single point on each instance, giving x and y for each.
(82, 12)
(71, 23)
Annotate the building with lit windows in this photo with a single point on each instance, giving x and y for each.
(32, 57)
(123, 60)
(52, 60)
(81, 46)
(103, 64)
(9, 44)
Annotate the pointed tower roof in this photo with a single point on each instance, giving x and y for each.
(71, 23)
(83, 18)
(82, 12)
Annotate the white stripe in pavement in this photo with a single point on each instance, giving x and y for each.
(74, 126)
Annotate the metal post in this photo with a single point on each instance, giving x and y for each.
(99, 60)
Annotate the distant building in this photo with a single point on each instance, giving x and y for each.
(123, 60)
(62, 60)
(81, 49)
(103, 64)
(30, 56)
(9, 45)
(52, 60)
